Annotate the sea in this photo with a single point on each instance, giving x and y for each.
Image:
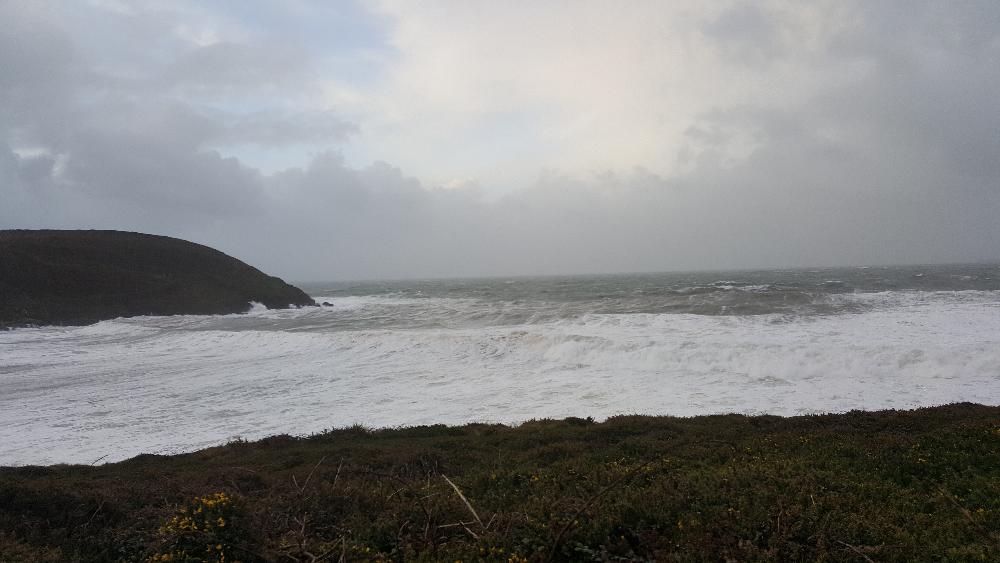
(504, 350)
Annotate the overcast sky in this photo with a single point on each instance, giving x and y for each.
(342, 140)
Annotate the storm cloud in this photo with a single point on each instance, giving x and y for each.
(466, 139)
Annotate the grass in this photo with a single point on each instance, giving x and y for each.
(918, 485)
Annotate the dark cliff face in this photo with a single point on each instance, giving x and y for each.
(81, 277)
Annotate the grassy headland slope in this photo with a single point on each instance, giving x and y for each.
(81, 277)
(863, 486)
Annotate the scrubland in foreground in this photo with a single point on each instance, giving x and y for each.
(863, 486)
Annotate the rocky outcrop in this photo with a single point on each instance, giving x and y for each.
(81, 277)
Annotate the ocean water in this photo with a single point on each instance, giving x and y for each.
(504, 350)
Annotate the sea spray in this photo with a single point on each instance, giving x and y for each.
(440, 351)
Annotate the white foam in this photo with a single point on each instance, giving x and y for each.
(354, 302)
(168, 384)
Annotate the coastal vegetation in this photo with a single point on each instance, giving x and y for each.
(861, 486)
(81, 277)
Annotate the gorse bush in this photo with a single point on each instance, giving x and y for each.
(204, 529)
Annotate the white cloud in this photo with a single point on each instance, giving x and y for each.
(592, 85)
(547, 137)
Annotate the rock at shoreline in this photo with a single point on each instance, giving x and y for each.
(81, 277)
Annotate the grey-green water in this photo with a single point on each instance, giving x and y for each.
(507, 350)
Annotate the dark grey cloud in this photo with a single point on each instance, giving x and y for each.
(747, 33)
(37, 69)
(106, 145)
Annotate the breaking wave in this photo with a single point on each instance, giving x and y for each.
(166, 384)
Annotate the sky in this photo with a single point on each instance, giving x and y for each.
(324, 140)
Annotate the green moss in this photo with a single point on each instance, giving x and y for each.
(888, 486)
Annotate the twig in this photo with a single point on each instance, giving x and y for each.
(856, 550)
(399, 533)
(586, 505)
(330, 551)
(94, 515)
(968, 516)
(396, 492)
(337, 476)
(474, 535)
(780, 510)
(455, 524)
(248, 470)
(465, 500)
(464, 525)
(308, 477)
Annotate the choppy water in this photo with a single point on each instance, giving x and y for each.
(507, 350)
